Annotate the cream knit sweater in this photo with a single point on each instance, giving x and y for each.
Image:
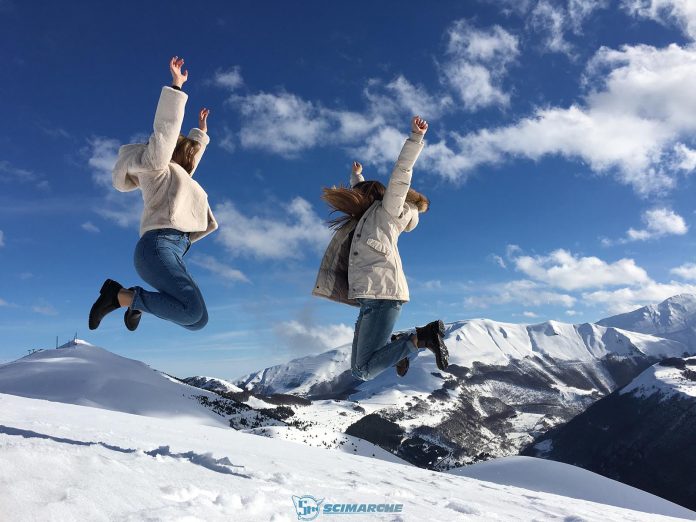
(172, 198)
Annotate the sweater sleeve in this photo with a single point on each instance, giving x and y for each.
(168, 120)
(203, 140)
(400, 180)
(355, 179)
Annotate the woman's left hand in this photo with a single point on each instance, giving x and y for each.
(203, 119)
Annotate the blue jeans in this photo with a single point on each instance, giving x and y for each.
(159, 259)
(373, 351)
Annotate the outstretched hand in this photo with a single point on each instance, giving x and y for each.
(178, 77)
(357, 168)
(419, 125)
(203, 119)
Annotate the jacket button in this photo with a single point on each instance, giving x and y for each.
(355, 253)
(358, 235)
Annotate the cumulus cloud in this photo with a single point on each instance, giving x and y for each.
(523, 291)
(476, 63)
(124, 209)
(685, 271)
(629, 298)
(564, 270)
(306, 338)
(659, 222)
(556, 19)
(222, 270)
(290, 236)
(2, 239)
(229, 78)
(638, 108)
(679, 12)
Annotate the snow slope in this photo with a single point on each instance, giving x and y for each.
(569, 481)
(668, 379)
(80, 373)
(69, 462)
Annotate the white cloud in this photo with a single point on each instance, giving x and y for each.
(556, 19)
(684, 158)
(571, 313)
(523, 291)
(659, 222)
(679, 12)
(685, 271)
(270, 238)
(11, 174)
(90, 227)
(281, 123)
(564, 270)
(629, 298)
(530, 315)
(638, 109)
(220, 269)
(44, 308)
(2, 239)
(3, 302)
(551, 19)
(476, 64)
(230, 78)
(124, 209)
(310, 338)
(498, 261)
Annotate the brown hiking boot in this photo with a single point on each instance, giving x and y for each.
(431, 336)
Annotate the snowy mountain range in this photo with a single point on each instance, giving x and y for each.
(507, 385)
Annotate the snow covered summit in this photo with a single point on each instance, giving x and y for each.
(673, 318)
(80, 373)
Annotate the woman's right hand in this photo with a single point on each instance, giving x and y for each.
(419, 125)
(357, 168)
(178, 77)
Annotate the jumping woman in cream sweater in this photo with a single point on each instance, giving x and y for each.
(176, 214)
(362, 266)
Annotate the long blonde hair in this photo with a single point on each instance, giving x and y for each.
(185, 153)
(354, 202)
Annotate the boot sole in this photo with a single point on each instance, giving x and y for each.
(441, 353)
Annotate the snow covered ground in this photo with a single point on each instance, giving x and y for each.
(569, 481)
(69, 462)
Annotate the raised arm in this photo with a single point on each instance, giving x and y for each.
(200, 135)
(356, 174)
(168, 119)
(400, 180)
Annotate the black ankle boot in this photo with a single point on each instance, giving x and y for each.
(431, 336)
(132, 319)
(106, 303)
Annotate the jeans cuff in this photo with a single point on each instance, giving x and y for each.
(137, 303)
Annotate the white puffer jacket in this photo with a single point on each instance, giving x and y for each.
(172, 198)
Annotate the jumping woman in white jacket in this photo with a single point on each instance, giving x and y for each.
(362, 266)
(176, 214)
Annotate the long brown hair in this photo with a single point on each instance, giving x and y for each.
(185, 153)
(354, 202)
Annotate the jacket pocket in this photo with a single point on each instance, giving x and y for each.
(378, 246)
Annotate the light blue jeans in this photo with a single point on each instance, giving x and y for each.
(159, 259)
(373, 352)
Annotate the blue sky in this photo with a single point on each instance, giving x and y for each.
(558, 161)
